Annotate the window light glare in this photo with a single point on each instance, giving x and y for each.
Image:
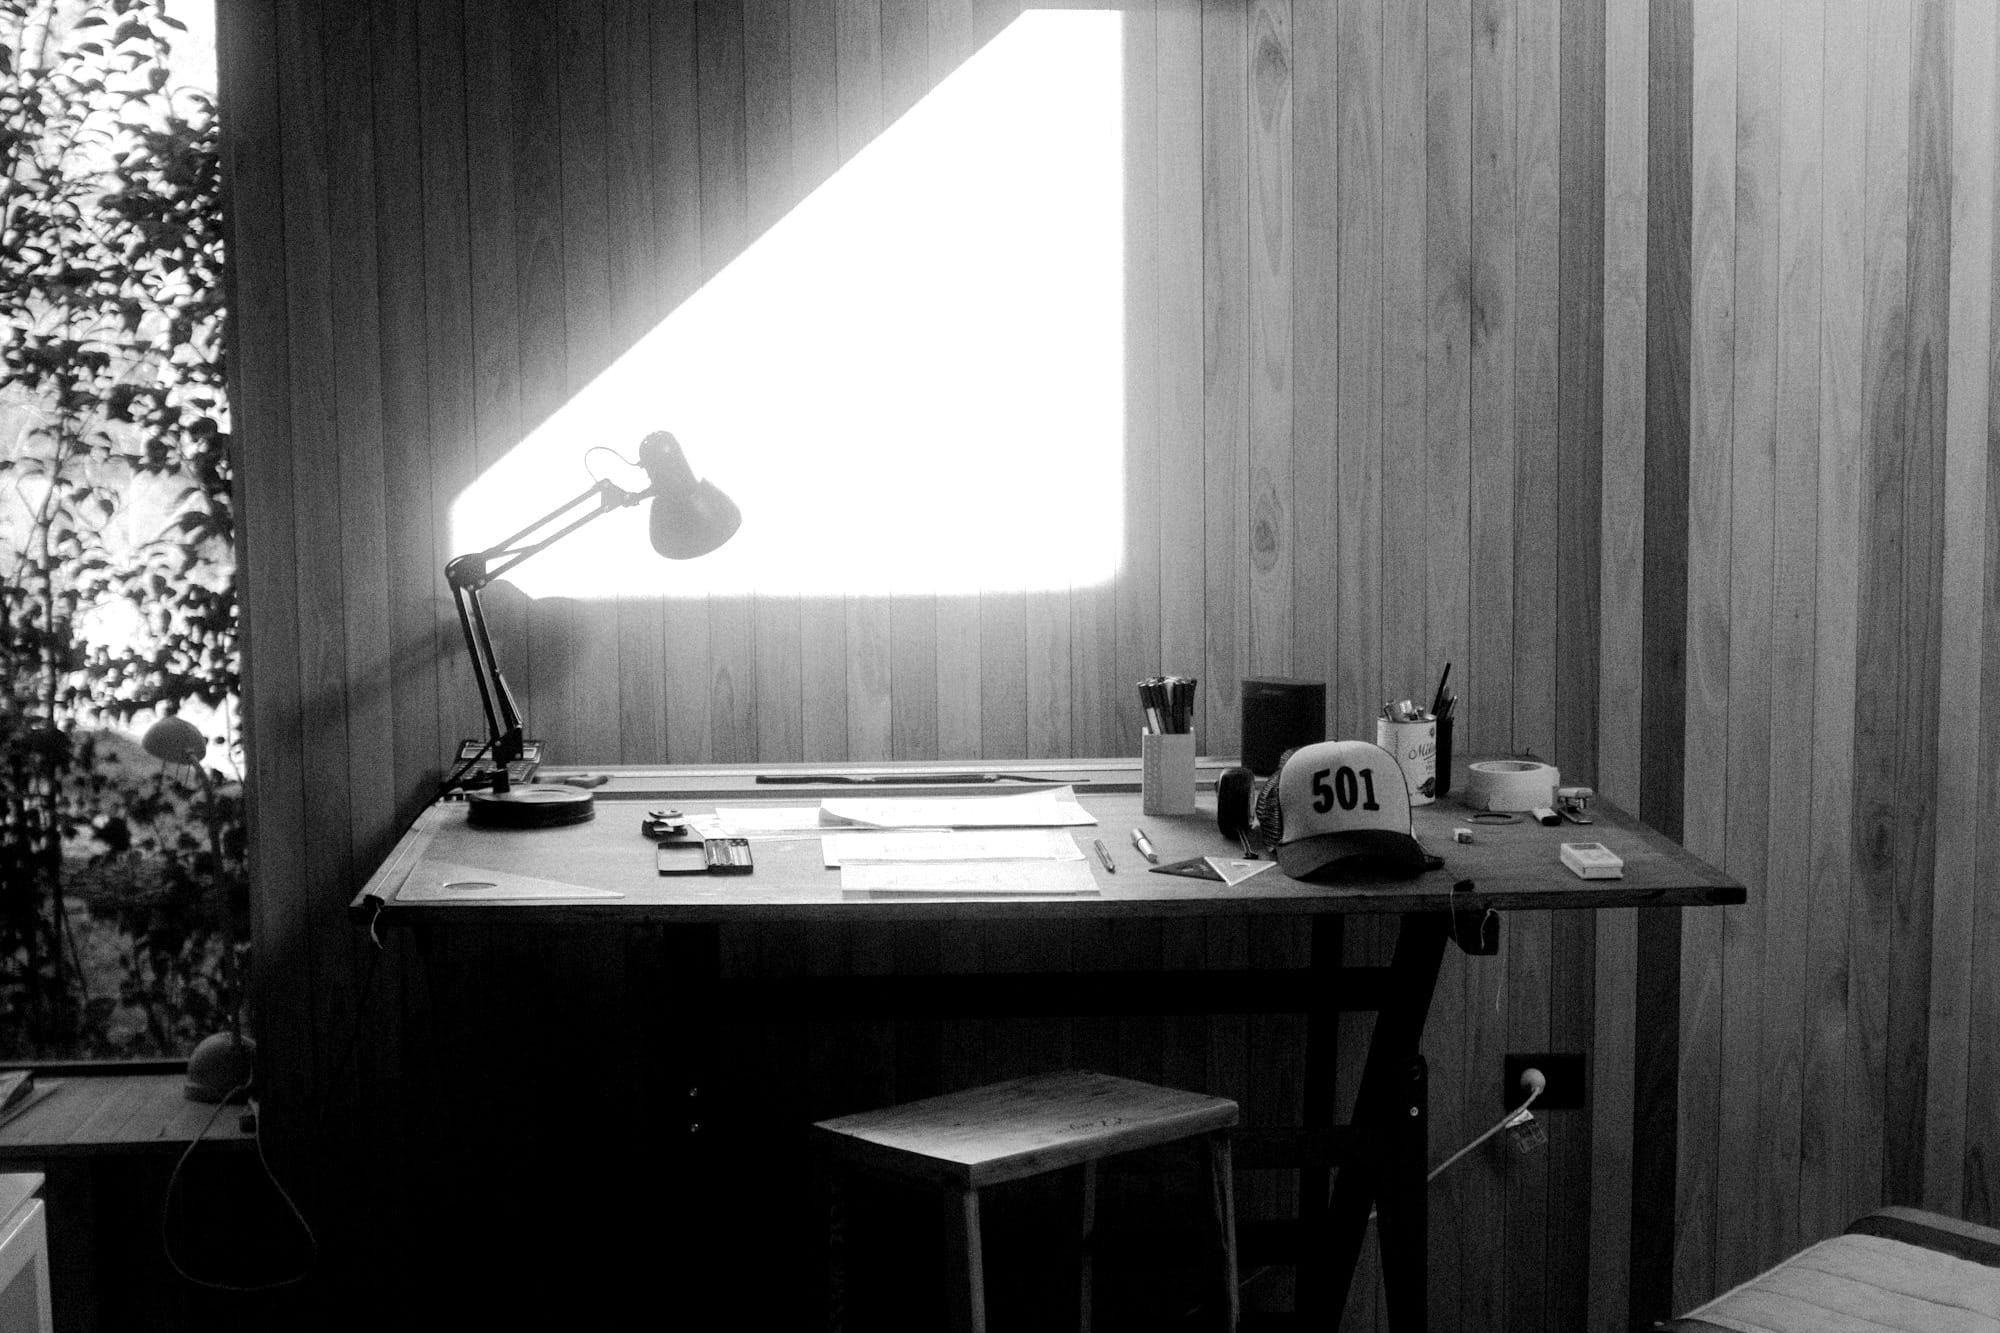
(912, 383)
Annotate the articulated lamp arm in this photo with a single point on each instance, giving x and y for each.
(690, 517)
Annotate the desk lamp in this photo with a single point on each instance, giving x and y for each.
(690, 518)
(222, 1064)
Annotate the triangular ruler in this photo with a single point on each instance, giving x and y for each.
(1236, 871)
(1195, 867)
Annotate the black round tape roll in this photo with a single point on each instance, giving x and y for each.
(1233, 789)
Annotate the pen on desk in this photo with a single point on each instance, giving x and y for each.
(1105, 856)
(1145, 847)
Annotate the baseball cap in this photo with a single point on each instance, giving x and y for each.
(1341, 801)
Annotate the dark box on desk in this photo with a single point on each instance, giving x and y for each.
(1278, 714)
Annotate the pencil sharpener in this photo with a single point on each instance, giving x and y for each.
(660, 825)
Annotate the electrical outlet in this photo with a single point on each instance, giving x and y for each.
(1564, 1073)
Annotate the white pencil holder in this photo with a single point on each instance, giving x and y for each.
(1166, 773)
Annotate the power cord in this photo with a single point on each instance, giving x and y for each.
(257, 1133)
(1533, 1082)
(173, 1182)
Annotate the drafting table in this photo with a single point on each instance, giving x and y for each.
(1509, 868)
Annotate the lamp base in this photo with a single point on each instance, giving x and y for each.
(219, 1068)
(530, 807)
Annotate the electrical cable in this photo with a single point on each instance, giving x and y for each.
(173, 1181)
(257, 1119)
(1534, 1082)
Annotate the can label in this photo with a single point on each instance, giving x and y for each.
(1415, 747)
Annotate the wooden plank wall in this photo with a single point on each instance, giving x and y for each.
(1839, 728)
(1633, 357)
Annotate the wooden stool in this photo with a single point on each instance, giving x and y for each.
(964, 1141)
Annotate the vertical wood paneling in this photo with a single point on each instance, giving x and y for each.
(1271, 534)
(953, 38)
(1963, 614)
(1579, 435)
(1877, 816)
(778, 701)
(1795, 534)
(588, 339)
(1484, 670)
(816, 155)
(1916, 626)
(1621, 671)
(1443, 518)
(314, 529)
(1750, 488)
(1315, 341)
(251, 61)
(1138, 587)
(1225, 361)
(638, 298)
(1448, 309)
(535, 142)
(1822, 1134)
(1980, 1196)
(1402, 503)
(1637, 359)
(1177, 42)
(1538, 320)
(1356, 688)
(1710, 518)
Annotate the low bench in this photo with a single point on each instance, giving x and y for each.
(1896, 1269)
(81, 1125)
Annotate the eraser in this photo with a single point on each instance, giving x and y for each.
(1544, 815)
(1592, 860)
(1461, 835)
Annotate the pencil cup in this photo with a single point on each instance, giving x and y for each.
(1166, 773)
(1415, 746)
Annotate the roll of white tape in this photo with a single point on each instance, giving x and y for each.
(1511, 784)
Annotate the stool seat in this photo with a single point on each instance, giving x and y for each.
(1897, 1269)
(962, 1142)
(1023, 1127)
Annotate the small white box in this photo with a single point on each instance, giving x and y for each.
(1592, 860)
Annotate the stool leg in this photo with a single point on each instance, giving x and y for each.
(965, 1281)
(1086, 1242)
(1222, 1198)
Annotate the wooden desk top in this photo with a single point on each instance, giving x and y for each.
(1511, 866)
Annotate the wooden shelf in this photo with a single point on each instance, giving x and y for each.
(88, 1115)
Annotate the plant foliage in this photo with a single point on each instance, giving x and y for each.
(114, 508)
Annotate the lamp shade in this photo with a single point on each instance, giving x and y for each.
(691, 516)
(175, 740)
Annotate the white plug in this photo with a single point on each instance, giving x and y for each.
(1533, 1082)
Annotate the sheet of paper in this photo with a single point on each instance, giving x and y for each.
(753, 821)
(1028, 844)
(442, 882)
(1049, 808)
(997, 878)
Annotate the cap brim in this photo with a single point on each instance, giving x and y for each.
(1356, 853)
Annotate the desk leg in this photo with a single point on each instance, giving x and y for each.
(1322, 1066)
(1388, 1136)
